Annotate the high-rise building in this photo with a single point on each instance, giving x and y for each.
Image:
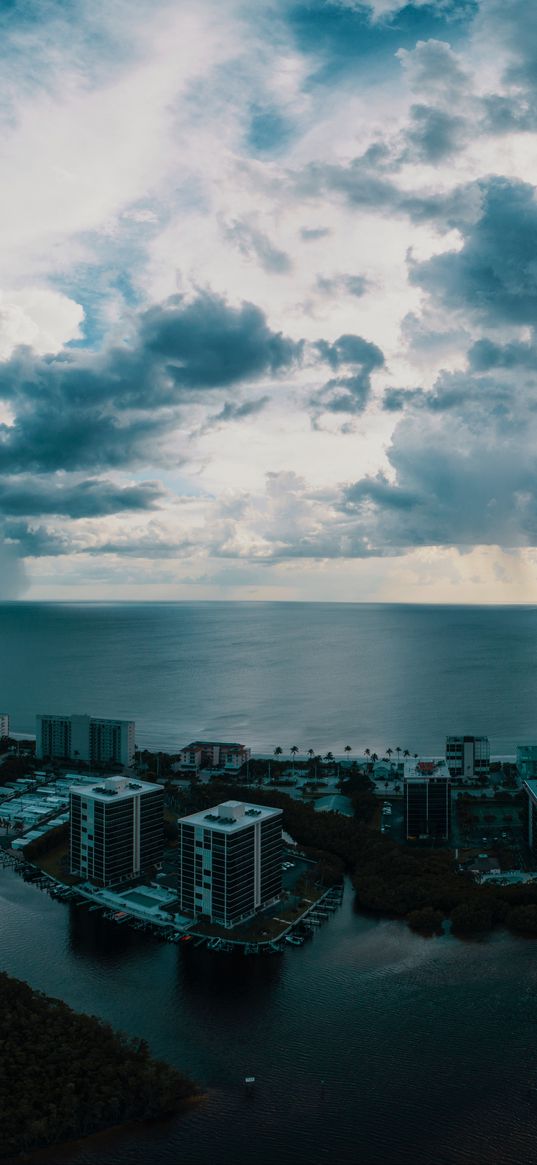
(116, 829)
(427, 800)
(4, 724)
(468, 756)
(531, 790)
(88, 738)
(526, 761)
(230, 861)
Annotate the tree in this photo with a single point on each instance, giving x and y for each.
(293, 750)
(348, 749)
(278, 752)
(389, 752)
(406, 752)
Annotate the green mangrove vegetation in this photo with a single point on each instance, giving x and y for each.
(64, 1075)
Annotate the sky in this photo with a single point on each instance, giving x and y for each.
(268, 300)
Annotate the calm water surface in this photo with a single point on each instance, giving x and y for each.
(427, 1048)
(319, 675)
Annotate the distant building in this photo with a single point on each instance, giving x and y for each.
(91, 739)
(115, 829)
(468, 756)
(427, 800)
(4, 724)
(230, 861)
(526, 761)
(531, 790)
(210, 754)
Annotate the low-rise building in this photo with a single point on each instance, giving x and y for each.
(230, 861)
(116, 829)
(468, 756)
(427, 800)
(211, 754)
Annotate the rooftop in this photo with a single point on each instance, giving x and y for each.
(114, 789)
(231, 816)
(426, 768)
(211, 744)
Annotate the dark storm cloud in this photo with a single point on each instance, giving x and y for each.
(495, 273)
(485, 355)
(82, 410)
(93, 498)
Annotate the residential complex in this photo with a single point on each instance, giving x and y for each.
(468, 756)
(427, 800)
(87, 738)
(230, 861)
(115, 829)
(4, 724)
(210, 754)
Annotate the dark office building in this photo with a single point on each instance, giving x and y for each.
(427, 802)
(116, 829)
(230, 861)
(468, 756)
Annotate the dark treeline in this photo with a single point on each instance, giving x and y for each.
(65, 1075)
(421, 885)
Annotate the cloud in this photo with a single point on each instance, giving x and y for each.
(349, 393)
(253, 243)
(494, 275)
(92, 498)
(82, 410)
(356, 285)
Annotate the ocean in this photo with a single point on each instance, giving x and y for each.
(317, 675)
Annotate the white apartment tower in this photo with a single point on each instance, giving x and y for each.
(230, 861)
(87, 738)
(4, 724)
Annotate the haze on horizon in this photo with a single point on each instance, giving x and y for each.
(268, 302)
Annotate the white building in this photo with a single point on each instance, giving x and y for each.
(4, 724)
(230, 861)
(468, 756)
(87, 738)
(116, 829)
(212, 754)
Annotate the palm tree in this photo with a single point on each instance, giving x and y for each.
(293, 750)
(389, 752)
(398, 751)
(328, 756)
(277, 752)
(311, 753)
(367, 752)
(406, 752)
(348, 749)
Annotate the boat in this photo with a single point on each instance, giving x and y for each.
(294, 940)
